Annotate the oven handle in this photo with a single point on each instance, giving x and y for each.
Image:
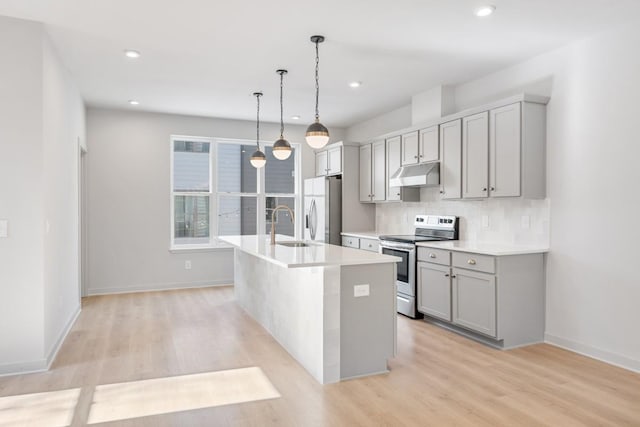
(397, 245)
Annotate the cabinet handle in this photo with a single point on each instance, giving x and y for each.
(398, 194)
(420, 155)
(446, 275)
(484, 189)
(415, 157)
(432, 255)
(441, 191)
(453, 276)
(493, 188)
(471, 262)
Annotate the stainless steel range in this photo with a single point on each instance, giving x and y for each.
(427, 228)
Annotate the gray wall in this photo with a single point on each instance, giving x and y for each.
(128, 202)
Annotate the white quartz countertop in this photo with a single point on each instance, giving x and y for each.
(361, 234)
(486, 248)
(317, 254)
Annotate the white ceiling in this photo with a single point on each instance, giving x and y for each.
(206, 57)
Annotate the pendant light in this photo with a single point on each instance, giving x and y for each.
(281, 148)
(258, 159)
(317, 134)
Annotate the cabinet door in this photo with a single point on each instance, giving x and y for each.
(334, 160)
(365, 173)
(451, 161)
(321, 163)
(475, 156)
(410, 148)
(504, 151)
(429, 147)
(474, 301)
(393, 164)
(434, 290)
(379, 169)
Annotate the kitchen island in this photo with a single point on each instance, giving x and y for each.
(332, 308)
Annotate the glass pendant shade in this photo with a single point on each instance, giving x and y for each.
(258, 159)
(317, 135)
(281, 149)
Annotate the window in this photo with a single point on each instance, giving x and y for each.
(216, 192)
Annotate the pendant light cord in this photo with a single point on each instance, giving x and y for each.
(281, 108)
(258, 122)
(317, 81)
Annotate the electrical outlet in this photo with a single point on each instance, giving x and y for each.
(4, 228)
(485, 221)
(361, 290)
(525, 221)
(187, 265)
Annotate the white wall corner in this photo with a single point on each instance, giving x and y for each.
(593, 352)
(55, 348)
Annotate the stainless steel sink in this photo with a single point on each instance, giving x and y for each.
(294, 244)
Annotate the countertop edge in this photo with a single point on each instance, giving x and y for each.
(478, 250)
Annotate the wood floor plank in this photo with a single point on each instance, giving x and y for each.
(438, 378)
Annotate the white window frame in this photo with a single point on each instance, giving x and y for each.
(214, 194)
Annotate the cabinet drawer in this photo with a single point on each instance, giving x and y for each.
(484, 263)
(369, 244)
(436, 256)
(351, 242)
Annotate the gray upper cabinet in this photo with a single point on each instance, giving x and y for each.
(451, 159)
(378, 171)
(334, 160)
(434, 290)
(505, 151)
(474, 301)
(373, 178)
(393, 164)
(321, 163)
(475, 156)
(365, 173)
(429, 145)
(410, 155)
(329, 161)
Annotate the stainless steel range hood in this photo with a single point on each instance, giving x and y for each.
(423, 175)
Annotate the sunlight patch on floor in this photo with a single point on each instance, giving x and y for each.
(48, 409)
(182, 393)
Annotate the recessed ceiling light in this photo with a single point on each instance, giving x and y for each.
(133, 102)
(485, 10)
(295, 117)
(129, 53)
(355, 84)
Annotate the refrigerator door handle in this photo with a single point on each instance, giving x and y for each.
(306, 221)
(313, 219)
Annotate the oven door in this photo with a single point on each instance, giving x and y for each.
(406, 269)
(405, 276)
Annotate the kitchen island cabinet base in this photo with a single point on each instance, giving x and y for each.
(313, 313)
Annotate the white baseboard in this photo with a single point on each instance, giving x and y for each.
(41, 365)
(594, 353)
(53, 352)
(158, 287)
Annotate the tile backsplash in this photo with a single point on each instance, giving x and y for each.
(504, 220)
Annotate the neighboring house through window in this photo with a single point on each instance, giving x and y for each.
(215, 191)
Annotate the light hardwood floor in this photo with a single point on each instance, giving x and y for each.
(437, 379)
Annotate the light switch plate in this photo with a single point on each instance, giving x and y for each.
(187, 265)
(361, 290)
(485, 221)
(4, 228)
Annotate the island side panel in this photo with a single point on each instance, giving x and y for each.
(367, 323)
(286, 302)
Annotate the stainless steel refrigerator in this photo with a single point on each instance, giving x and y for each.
(323, 209)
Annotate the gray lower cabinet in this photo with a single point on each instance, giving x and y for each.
(499, 299)
(434, 290)
(474, 301)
